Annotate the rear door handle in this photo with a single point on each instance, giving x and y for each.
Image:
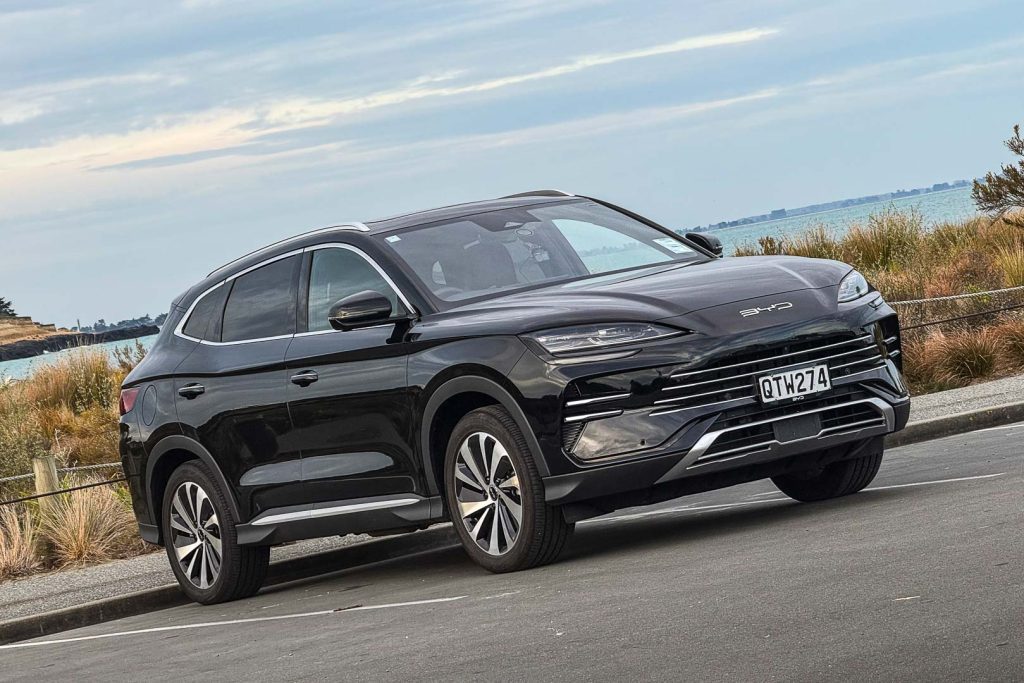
(190, 391)
(305, 378)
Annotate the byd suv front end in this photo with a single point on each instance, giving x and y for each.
(513, 366)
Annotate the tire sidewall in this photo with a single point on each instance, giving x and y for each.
(529, 489)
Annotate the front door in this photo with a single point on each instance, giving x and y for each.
(348, 390)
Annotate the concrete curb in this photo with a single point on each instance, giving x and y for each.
(936, 428)
(154, 599)
(399, 546)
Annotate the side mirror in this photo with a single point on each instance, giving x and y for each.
(359, 310)
(706, 241)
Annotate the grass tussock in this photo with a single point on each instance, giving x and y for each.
(90, 525)
(1011, 336)
(17, 543)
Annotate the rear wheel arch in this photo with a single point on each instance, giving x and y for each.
(167, 456)
(448, 404)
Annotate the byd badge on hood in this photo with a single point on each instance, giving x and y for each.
(781, 306)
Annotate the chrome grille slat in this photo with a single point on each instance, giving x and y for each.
(866, 337)
(823, 359)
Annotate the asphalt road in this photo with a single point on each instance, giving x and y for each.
(919, 578)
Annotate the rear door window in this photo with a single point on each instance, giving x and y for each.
(262, 302)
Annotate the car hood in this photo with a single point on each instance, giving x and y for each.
(650, 294)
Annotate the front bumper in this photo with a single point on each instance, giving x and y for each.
(686, 470)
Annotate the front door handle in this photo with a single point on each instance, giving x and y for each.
(305, 378)
(190, 391)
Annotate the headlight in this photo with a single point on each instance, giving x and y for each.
(853, 286)
(595, 337)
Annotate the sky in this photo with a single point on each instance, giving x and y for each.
(142, 144)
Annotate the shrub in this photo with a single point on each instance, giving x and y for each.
(17, 543)
(1010, 261)
(890, 240)
(90, 525)
(79, 381)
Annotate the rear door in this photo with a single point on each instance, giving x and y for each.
(354, 421)
(230, 391)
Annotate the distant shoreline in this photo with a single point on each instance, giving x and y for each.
(822, 212)
(29, 348)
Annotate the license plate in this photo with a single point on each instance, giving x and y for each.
(794, 383)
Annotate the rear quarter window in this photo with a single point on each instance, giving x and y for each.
(204, 322)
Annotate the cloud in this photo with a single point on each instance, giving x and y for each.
(195, 136)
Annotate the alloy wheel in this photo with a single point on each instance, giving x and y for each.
(487, 490)
(196, 535)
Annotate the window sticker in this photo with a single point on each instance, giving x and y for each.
(393, 238)
(672, 245)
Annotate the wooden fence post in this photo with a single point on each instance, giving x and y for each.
(45, 469)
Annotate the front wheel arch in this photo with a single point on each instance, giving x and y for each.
(496, 394)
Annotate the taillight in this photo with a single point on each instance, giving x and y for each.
(127, 401)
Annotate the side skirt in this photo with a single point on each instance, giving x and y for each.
(336, 518)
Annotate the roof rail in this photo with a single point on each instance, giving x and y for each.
(341, 226)
(539, 193)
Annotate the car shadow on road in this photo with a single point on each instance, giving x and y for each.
(683, 527)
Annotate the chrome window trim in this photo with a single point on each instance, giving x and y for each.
(179, 330)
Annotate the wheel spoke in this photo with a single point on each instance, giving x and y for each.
(513, 507)
(215, 545)
(467, 456)
(475, 532)
(201, 500)
(510, 483)
(497, 454)
(212, 523)
(183, 514)
(185, 550)
(506, 525)
(493, 548)
(204, 581)
(177, 523)
(469, 480)
(469, 509)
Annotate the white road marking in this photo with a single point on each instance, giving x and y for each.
(230, 622)
(1001, 428)
(937, 481)
(912, 597)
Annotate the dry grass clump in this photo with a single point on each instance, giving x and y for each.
(946, 360)
(1011, 336)
(21, 437)
(83, 379)
(17, 543)
(90, 525)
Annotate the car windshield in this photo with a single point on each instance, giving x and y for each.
(509, 249)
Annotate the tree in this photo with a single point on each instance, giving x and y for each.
(6, 308)
(1001, 192)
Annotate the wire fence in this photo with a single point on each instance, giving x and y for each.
(63, 470)
(949, 307)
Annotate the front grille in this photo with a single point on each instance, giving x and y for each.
(751, 429)
(735, 377)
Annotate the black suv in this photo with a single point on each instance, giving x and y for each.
(513, 366)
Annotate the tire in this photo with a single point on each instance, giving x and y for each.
(834, 480)
(501, 543)
(240, 571)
